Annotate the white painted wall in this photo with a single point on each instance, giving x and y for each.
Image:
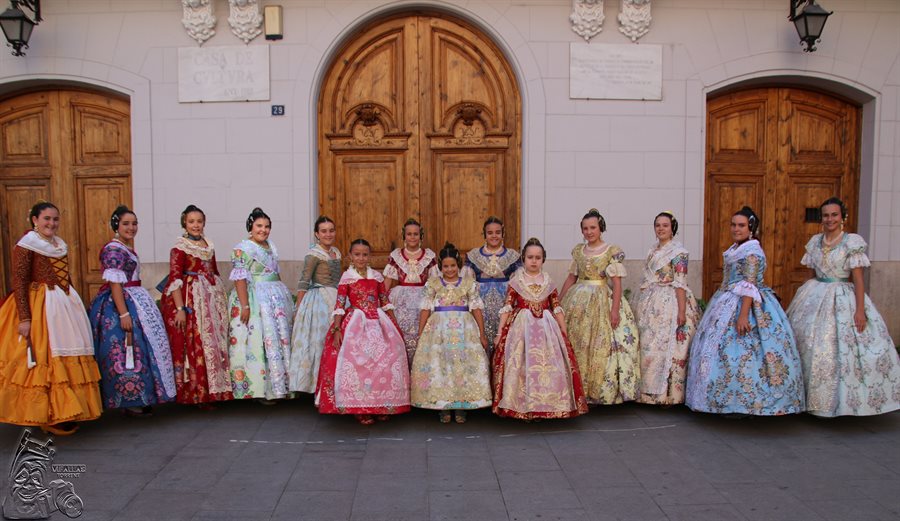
(630, 159)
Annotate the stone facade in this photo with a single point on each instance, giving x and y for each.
(628, 158)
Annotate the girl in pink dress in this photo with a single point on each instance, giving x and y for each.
(364, 369)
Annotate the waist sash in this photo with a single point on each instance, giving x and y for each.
(450, 308)
(832, 279)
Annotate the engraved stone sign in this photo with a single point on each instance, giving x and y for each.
(607, 71)
(227, 73)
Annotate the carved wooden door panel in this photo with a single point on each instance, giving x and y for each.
(781, 151)
(72, 148)
(419, 116)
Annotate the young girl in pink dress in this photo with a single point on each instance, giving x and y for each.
(364, 369)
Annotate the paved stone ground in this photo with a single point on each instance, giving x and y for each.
(248, 462)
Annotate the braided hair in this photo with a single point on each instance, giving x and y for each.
(593, 212)
(117, 215)
(449, 251)
(672, 220)
(835, 200)
(752, 220)
(534, 241)
(190, 208)
(39, 207)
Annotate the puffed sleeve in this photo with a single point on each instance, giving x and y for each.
(807, 259)
(615, 267)
(510, 300)
(468, 270)
(473, 295)
(573, 268)
(680, 266)
(555, 306)
(309, 271)
(177, 263)
(21, 282)
(383, 297)
(749, 268)
(340, 306)
(390, 271)
(112, 260)
(428, 292)
(856, 253)
(240, 265)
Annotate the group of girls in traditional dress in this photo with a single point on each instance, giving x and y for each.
(488, 332)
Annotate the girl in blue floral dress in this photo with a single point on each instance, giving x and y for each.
(130, 341)
(743, 359)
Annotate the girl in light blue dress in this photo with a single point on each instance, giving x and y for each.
(849, 361)
(316, 296)
(743, 359)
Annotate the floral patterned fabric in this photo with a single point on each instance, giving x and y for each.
(367, 373)
(609, 359)
(200, 351)
(319, 279)
(757, 373)
(411, 275)
(492, 273)
(150, 380)
(450, 369)
(535, 373)
(846, 372)
(664, 344)
(259, 351)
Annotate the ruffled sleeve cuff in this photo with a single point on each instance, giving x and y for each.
(476, 304)
(239, 274)
(388, 307)
(390, 272)
(427, 304)
(175, 285)
(857, 260)
(506, 309)
(338, 311)
(807, 260)
(558, 310)
(679, 282)
(745, 289)
(616, 269)
(115, 276)
(573, 268)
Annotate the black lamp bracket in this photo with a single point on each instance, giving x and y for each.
(795, 5)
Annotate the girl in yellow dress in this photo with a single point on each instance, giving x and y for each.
(40, 385)
(600, 322)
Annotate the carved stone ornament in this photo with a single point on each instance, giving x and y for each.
(198, 19)
(245, 19)
(587, 18)
(634, 18)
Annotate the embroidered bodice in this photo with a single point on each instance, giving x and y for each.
(320, 270)
(411, 271)
(120, 263)
(836, 262)
(597, 267)
(485, 266)
(189, 260)
(365, 294)
(525, 292)
(252, 262)
(666, 266)
(36, 261)
(744, 267)
(462, 292)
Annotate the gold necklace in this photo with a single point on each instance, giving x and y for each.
(51, 241)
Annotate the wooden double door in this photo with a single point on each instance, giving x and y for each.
(72, 148)
(781, 151)
(419, 116)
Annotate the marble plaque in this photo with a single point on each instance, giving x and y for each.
(228, 73)
(607, 71)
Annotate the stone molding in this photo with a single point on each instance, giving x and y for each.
(198, 19)
(245, 19)
(587, 18)
(634, 18)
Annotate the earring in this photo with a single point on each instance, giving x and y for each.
(842, 225)
(117, 234)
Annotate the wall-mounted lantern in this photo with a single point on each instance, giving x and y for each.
(17, 26)
(273, 22)
(809, 22)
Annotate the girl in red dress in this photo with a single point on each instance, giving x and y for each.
(364, 369)
(194, 309)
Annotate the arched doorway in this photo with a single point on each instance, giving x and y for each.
(781, 151)
(419, 115)
(71, 147)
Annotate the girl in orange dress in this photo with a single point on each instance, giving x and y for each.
(40, 385)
